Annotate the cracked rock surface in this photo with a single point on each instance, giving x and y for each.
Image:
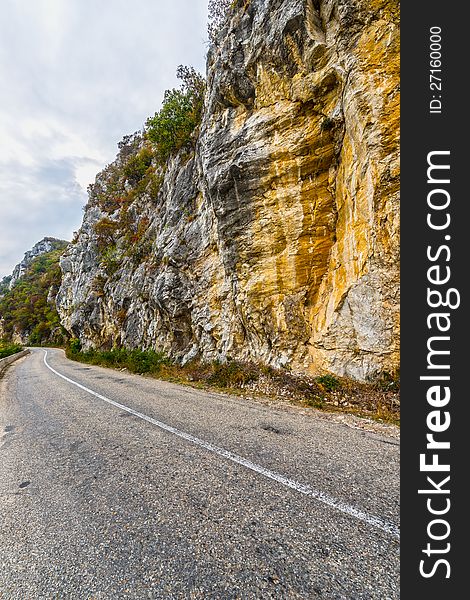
(277, 239)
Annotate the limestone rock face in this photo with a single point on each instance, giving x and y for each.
(278, 240)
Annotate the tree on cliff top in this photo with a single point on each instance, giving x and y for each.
(172, 127)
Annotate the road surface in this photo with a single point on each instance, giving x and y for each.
(114, 485)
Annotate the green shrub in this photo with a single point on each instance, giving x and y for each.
(75, 346)
(136, 361)
(137, 166)
(139, 361)
(329, 382)
(7, 349)
(172, 126)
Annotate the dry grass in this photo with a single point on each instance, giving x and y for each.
(378, 399)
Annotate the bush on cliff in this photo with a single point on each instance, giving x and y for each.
(172, 127)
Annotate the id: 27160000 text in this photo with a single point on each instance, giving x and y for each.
(435, 71)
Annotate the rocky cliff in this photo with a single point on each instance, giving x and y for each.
(276, 240)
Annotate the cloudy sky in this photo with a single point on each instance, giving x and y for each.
(75, 77)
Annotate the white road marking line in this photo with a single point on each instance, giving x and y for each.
(290, 483)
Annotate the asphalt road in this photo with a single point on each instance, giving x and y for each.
(198, 495)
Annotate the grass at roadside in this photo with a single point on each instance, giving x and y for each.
(7, 349)
(378, 399)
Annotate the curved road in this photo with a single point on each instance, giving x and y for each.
(119, 486)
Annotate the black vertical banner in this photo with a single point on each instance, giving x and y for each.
(434, 360)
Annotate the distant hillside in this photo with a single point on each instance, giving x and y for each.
(44, 246)
(27, 300)
(5, 285)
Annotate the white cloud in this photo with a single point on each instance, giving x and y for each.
(85, 172)
(76, 76)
